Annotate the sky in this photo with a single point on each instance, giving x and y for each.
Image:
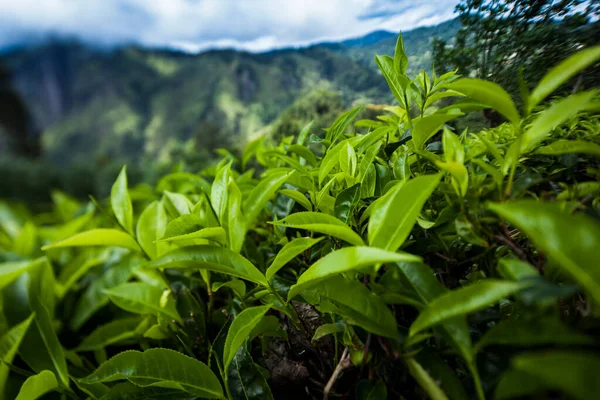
(197, 25)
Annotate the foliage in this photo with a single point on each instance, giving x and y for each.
(502, 38)
(421, 262)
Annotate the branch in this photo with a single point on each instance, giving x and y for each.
(343, 364)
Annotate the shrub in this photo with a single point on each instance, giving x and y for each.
(419, 261)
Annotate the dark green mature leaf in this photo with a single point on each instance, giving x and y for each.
(561, 73)
(552, 117)
(129, 391)
(240, 330)
(560, 147)
(365, 390)
(346, 202)
(288, 253)
(515, 269)
(393, 219)
(262, 193)
(98, 237)
(9, 345)
(142, 298)
(442, 373)
(211, 258)
(121, 202)
(111, 333)
(321, 223)
(38, 385)
(245, 380)
(151, 226)
(535, 332)
(488, 93)
(464, 301)
(346, 260)
(358, 305)
(160, 368)
(570, 240)
(572, 373)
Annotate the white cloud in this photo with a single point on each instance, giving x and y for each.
(193, 25)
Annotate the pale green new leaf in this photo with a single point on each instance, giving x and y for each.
(211, 258)
(298, 197)
(151, 226)
(9, 345)
(341, 123)
(217, 234)
(10, 271)
(562, 72)
(488, 93)
(346, 260)
(240, 329)
(396, 82)
(552, 117)
(321, 223)
(38, 385)
(463, 301)
(428, 126)
(290, 251)
(121, 202)
(98, 237)
(111, 333)
(560, 147)
(160, 368)
(570, 240)
(392, 220)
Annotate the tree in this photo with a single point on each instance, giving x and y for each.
(500, 37)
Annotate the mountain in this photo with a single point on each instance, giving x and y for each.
(91, 105)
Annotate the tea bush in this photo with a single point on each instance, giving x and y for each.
(398, 259)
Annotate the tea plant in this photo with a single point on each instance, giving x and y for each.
(419, 261)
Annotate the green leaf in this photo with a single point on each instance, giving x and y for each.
(290, 251)
(428, 126)
(346, 202)
(400, 57)
(9, 345)
(533, 332)
(396, 82)
(365, 390)
(560, 147)
(245, 380)
(151, 226)
(347, 160)
(237, 224)
(109, 334)
(515, 270)
(98, 237)
(572, 373)
(217, 234)
(129, 391)
(552, 117)
(298, 197)
(238, 287)
(324, 330)
(25, 243)
(332, 157)
(425, 380)
(218, 193)
(464, 301)
(160, 368)
(38, 385)
(488, 93)
(211, 258)
(562, 72)
(304, 152)
(141, 298)
(239, 331)
(321, 223)
(393, 219)
(121, 202)
(358, 305)
(346, 260)
(443, 374)
(12, 270)
(570, 240)
(176, 204)
(262, 193)
(341, 123)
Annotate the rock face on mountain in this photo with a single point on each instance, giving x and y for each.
(93, 104)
